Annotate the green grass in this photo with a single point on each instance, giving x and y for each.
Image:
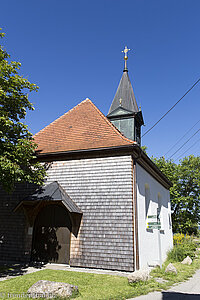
(91, 286)
(94, 286)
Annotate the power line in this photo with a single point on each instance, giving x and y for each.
(172, 107)
(184, 143)
(187, 149)
(181, 138)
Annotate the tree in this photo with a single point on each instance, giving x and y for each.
(185, 192)
(144, 149)
(17, 148)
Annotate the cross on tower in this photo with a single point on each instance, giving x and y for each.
(125, 51)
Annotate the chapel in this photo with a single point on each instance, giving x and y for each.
(104, 203)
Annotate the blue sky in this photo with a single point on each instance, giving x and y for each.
(72, 50)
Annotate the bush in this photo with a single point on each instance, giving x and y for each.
(183, 247)
(179, 252)
(178, 238)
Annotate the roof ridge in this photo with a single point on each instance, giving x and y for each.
(110, 124)
(69, 111)
(65, 192)
(55, 190)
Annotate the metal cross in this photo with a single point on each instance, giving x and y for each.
(125, 51)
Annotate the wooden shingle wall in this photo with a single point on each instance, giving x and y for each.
(102, 188)
(15, 243)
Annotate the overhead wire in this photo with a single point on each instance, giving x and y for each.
(187, 149)
(182, 137)
(172, 107)
(184, 144)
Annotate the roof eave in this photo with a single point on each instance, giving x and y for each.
(84, 151)
(144, 161)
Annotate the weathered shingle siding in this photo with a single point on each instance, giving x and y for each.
(14, 241)
(102, 188)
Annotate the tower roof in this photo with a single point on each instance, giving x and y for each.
(124, 96)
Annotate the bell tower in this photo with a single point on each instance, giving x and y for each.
(124, 112)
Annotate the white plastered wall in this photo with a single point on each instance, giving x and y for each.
(154, 243)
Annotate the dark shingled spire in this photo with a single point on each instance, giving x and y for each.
(124, 113)
(124, 96)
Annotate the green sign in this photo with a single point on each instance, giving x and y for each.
(152, 217)
(153, 223)
(154, 226)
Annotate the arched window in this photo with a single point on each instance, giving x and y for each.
(169, 215)
(159, 202)
(147, 199)
(159, 212)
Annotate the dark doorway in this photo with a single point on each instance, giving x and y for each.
(51, 235)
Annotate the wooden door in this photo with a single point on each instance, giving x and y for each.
(51, 235)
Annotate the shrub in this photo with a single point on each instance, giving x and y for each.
(183, 247)
(178, 238)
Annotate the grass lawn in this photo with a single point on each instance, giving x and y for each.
(94, 286)
(91, 286)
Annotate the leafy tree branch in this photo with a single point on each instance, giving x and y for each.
(17, 148)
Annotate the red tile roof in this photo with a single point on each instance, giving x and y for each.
(83, 127)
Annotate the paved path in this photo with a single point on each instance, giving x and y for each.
(4, 275)
(22, 270)
(188, 290)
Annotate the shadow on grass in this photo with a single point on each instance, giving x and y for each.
(12, 270)
(179, 296)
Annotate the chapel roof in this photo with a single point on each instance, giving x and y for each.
(83, 127)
